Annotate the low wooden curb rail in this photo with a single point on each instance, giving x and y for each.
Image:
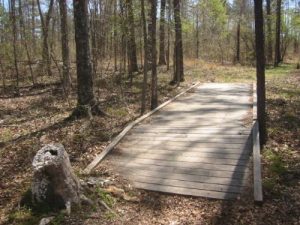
(118, 138)
(257, 180)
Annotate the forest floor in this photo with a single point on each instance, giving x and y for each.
(37, 118)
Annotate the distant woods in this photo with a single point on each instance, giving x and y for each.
(125, 40)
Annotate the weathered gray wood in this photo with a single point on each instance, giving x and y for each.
(182, 158)
(185, 170)
(183, 177)
(188, 136)
(233, 140)
(198, 145)
(190, 184)
(207, 166)
(185, 191)
(188, 153)
(117, 139)
(257, 180)
(185, 144)
(183, 130)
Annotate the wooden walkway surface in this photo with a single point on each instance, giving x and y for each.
(198, 145)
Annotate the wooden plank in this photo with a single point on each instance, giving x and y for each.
(230, 140)
(118, 138)
(185, 170)
(198, 123)
(257, 179)
(189, 135)
(183, 130)
(186, 145)
(185, 184)
(180, 158)
(183, 177)
(218, 155)
(185, 191)
(207, 166)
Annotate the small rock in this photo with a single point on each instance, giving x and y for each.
(46, 220)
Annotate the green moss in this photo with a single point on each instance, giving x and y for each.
(105, 197)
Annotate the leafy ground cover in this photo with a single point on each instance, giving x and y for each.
(37, 118)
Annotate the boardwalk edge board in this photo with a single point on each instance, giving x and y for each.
(257, 179)
(118, 138)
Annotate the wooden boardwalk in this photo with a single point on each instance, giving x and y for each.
(198, 145)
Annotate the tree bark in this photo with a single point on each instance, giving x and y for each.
(269, 32)
(15, 54)
(133, 66)
(278, 34)
(260, 70)
(162, 58)
(86, 103)
(65, 45)
(154, 100)
(45, 31)
(238, 41)
(145, 78)
(24, 38)
(197, 33)
(178, 49)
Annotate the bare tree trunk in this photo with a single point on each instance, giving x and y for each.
(238, 41)
(24, 37)
(65, 45)
(154, 100)
(144, 91)
(178, 49)
(269, 32)
(15, 51)
(115, 36)
(162, 58)
(169, 35)
(45, 31)
(86, 103)
(278, 34)
(197, 34)
(260, 70)
(133, 66)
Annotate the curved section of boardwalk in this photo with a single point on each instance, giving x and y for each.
(198, 145)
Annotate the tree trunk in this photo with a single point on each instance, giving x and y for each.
(154, 101)
(260, 70)
(238, 41)
(278, 34)
(54, 182)
(15, 54)
(133, 66)
(162, 58)
(169, 35)
(65, 45)
(178, 49)
(24, 38)
(45, 31)
(86, 103)
(269, 32)
(144, 91)
(197, 34)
